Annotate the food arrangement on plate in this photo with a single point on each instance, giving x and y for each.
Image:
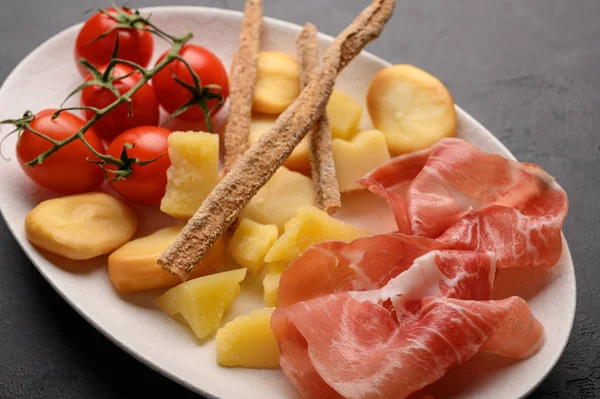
(347, 313)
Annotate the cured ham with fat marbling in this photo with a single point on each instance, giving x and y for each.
(387, 315)
(363, 264)
(470, 199)
(341, 346)
(446, 273)
(393, 341)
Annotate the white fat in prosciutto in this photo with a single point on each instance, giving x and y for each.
(446, 273)
(364, 264)
(404, 263)
(470, 199)
(386, 315)
(358, 344)
(337, 346)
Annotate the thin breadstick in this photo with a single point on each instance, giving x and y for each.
(265, 156)
(243, 79)
(321, 159)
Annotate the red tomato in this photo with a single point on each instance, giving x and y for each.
(207, 66)
(67, 171)
(134, 44)
(147, 184)
(144, 104)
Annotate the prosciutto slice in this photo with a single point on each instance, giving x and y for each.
(450, 273)
(387, 315)
(474, 200)
(401, 264)
(338, 346)
(364, 264)
(391, 342)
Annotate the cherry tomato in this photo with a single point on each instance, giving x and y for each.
(147, 184)
(144, 105)
(207, 66)
(67, 171)
(134, 44)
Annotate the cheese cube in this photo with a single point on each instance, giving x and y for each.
(310, 226)
(354, 159)
(279, 200)
(250, 244)
(247, 341)
(192, 174)
(344, 115)
(271, 286)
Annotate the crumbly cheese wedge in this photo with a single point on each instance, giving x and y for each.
(193, 172)
(310, 226)
(354, 159)
(279, 200)
(344, 115)
(250, 244)
(247, 341)
(202, 301)
(270, 287)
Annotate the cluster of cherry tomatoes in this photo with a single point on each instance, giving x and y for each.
(68, 171)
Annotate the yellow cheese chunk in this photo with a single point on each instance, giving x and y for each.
(354, 159)
(193, 172)
(250, 244)
(271, 286)
(344, 115)
(247, 341)
(202, 301)
(279, 200)
(310, 226)
(298, 160)
(277, 83)
(133, 267)
(81, 226)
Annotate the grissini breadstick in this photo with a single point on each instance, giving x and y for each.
(321, 158)
(265, 156)
(243, 80)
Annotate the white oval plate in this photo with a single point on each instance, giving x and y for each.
(48, 74)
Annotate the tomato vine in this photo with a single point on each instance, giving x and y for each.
(126, 19)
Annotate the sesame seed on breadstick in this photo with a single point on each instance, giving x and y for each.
(321, 158)
(264, 157)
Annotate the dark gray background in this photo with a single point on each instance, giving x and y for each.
(529, 70)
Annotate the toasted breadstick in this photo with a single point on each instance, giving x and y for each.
(321, 158)
(265, 156)
(243, 80)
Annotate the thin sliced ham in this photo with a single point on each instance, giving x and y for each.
(387, 315)
(373, 324)
(364, 264)
(337, 346)
(474, 200)
(518, 240)
(447, 273)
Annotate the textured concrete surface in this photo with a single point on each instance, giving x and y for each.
(528, 70)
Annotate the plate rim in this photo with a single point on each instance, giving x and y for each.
(289, 25)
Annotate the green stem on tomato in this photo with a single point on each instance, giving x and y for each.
(178, 43)
(200, 95)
